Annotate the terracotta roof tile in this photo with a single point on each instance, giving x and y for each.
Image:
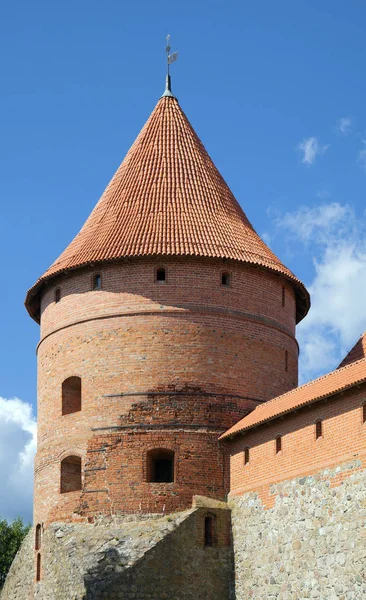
(167, 198)
(327, 385)
(356, 353)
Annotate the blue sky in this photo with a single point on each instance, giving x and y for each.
(275, 90)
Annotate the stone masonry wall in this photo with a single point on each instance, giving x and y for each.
(19, 584)
(310, 544)
(136, 558)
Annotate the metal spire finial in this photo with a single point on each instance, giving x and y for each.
(170, 58)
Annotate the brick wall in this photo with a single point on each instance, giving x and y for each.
(343, 437)
(214, 351)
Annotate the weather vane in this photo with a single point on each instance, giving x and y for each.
(170, 58)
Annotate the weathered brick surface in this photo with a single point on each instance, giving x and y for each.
(208, 351)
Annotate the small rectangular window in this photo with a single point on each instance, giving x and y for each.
(97, 282)
(246, 456)
(160, 275)
(318, 429)
(58, 295)
(278, 444)
(283, 296)
(38, 568)
(225, 279)
(364, 413)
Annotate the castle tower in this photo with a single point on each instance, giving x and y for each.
(163, 323)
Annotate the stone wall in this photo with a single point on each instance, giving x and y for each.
(310, 544)
(135, 558)
(19, 584)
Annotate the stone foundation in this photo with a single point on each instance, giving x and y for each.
(310, 544)
(135, 558)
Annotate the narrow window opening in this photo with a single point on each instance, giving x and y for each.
(318, 429)
(97, 282)
(38, 540)
(278, 444)
(283, 296)
(70, 474)
(364, 413)
(38, 568)
(71, 395)
(58, 295)
(246, 456)
(160, 275)
(209, 531)
(160, 466)
(225, 279)
(286, 360)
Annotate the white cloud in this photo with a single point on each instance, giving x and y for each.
(337, 242)
(344, 125)
(362, 156)
(310, 148)
(18, 434)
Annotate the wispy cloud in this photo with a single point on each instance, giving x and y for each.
(362, 156)
(344, 125)
(310, 149)
(18, 430)
(336, 239)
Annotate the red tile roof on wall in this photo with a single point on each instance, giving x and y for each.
(323, 387)
(167, 198)
(356, 353)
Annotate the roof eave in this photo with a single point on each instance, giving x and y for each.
(227, 435)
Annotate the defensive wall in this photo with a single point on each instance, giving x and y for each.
(299, 504)
(135, 558)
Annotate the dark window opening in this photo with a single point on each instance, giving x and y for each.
(71, 395)
(209, 530)
(246, 456)
(70, 474)
(38, 541)
(97, 282)
(286, 360)
(160, 467)
(283, 296)
(278, 444)
(38, 568)
(318, 429)
(225, 279)
(58, 295)
(364, 413)
(160, 274)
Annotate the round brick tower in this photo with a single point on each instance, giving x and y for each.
(164, 322)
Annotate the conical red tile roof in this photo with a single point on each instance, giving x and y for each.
(167, 198)
(356, 353)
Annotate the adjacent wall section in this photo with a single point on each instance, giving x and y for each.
(136, 558)
(310, 544)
